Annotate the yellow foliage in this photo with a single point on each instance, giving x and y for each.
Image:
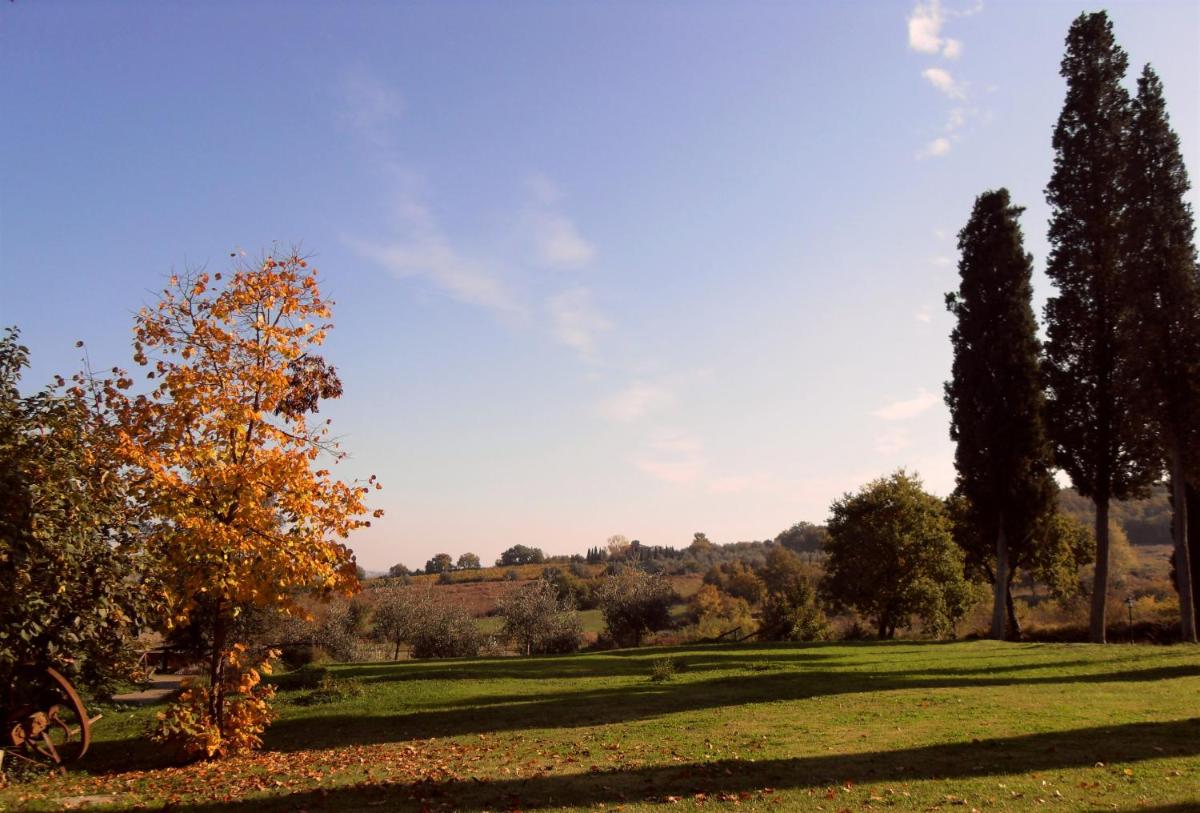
(212, 722)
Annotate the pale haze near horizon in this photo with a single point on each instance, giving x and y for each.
(600, 268)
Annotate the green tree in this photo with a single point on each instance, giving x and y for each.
(539, 621)
(70, 561)
(441, 563)
(1101, 440)
(995, 397)
(892, 556)
(789, 608)
(1163, 325)
(468, 561)
(633, 603)
(398, 571)
(521, 555)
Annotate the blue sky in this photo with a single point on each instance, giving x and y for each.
(637, 268)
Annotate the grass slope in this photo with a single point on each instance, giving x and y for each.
(834, 727)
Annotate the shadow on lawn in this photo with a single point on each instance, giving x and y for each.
(516, 712)
(1081, 748)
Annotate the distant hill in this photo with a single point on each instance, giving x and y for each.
(1145, 522)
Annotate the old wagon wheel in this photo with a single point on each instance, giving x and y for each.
(51, 724)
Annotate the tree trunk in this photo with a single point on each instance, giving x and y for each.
(1183, 564)
(1193, 522)
(1000, 587)
(396, 653)
(883, 627)
(1014, 624)
(216, 669)
(1100, 583)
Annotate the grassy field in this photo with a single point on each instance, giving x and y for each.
(833, 727)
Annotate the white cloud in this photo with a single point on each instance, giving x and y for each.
(635, 401)
(925, 26)
(941, 79)
(421, 250)
(925, 29)
(543, 190)
(558, 243)
(942, 261)
(924, 315)
(935, 149)
(680, 472)
(575, 320)
(904, 409)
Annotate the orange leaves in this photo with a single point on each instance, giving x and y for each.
(222, 448)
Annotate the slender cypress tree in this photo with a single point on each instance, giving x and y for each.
(1163, 326)
(995, 395)
(1100, 439)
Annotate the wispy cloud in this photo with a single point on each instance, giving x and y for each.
(893, 441)
(556, 239)
(945, 82)
(904, 409)
(635, 401)
(936, 148)
(925, 23)
(673, 457)
(558, 243)
(420, 249)
(575, 320)
(924, 315)
(369, 107)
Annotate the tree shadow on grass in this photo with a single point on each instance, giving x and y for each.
(1081, 748)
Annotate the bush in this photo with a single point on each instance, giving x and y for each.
(717, 614)
(332, 690)
(662, 669)
(634, 603)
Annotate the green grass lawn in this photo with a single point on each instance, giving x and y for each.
(834, 727)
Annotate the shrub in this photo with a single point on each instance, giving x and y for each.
(662, 669)
(332, 690)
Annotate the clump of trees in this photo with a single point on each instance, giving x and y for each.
(521, 555)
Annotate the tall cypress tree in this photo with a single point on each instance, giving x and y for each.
(995, 396)
(1100, 439)
(1163, 326)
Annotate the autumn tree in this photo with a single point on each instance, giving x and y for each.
(1002, 456)
(70, 557)
(1100, 438)
(226, 456)
(1162, 282)
(892, 557)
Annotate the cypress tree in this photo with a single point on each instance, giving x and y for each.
(995, 396)
(1099, 438)
(1163, 325)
